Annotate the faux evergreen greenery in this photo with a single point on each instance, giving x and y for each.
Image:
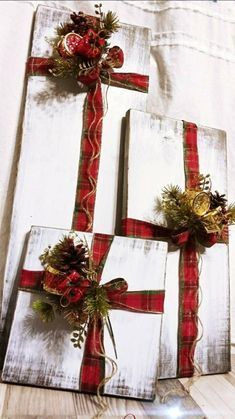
(71, 254)
(199, 210)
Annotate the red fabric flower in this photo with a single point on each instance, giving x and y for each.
(91, 45)
(73, 287)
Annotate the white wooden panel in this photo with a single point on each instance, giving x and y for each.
(12, 72)
(154, 159)
(42, 354)
(47, 176)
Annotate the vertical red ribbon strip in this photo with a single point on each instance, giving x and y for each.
(93, 364)
(188, 267)
(83, 215)
(89, 160)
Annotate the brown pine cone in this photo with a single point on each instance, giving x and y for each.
(217, 200)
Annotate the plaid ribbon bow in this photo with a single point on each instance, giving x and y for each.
(149, 301)
(83, 214)
(188, 264)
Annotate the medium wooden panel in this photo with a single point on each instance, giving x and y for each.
(42, 354)
(47, 175)
(11, 107)
(154, 159)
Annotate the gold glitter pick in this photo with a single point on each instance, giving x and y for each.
(201, 203)
(199, 200)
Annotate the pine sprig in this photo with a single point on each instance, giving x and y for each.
(64, 28)
(44, 310)
(65, 68)
(96, 302)
(177, 209)
(110, 23)
(198, 209)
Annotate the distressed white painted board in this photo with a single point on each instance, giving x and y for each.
(20, 17)
(47, 176)
(42, 354)
(154, 159)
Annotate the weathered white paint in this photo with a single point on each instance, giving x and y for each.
(12, 71)
(42, 354)
(154, 159)
(47, 175)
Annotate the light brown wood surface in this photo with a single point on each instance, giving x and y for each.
(22, 402)
(211, 397)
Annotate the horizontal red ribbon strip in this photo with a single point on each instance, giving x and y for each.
(39, 66)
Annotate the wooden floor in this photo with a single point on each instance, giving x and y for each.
(211, 397)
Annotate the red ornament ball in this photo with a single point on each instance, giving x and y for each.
(69, 44)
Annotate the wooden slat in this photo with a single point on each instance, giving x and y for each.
(21, 401)
(215, 395)
(154, 159)
(11, 108)
(47, 173)
(42, 354)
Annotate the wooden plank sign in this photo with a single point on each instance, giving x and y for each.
(48, 168)
(154, 159)
(41, 354)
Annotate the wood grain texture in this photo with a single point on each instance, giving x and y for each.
(42, 354)
(12, 93)
(24, 402)
(47, 174)
(206, 400)
(154, 159)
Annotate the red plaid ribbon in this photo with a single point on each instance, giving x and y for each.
(188, 266)
(93, 364)
(91, 135)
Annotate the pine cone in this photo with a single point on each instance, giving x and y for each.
(82, 23)
(66, 256)
(217, 200)
(72, 257)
